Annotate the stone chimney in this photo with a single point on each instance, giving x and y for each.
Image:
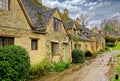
(77, 20)
(66, 12)
(40, 1)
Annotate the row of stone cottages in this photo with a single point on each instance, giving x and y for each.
(44, 32)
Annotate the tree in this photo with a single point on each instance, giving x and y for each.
(112, 22)
(84, 19)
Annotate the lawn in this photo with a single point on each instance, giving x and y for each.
(117, 47)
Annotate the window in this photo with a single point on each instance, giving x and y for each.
(75, 46)
(34, 44)
(4, 4)
(86, 46)
(79, 46)
(57, 24)
(6, 41)
(54, 48)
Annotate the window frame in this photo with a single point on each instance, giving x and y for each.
(34, 42)
(75, 46)
(6, 5)
(6, 41)
(53, 50)
(57, 24)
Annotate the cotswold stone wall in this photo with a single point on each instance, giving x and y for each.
(60, 37)
(13, 23)
(13, 17)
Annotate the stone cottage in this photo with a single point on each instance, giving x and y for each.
(38, 29)
(77, 33)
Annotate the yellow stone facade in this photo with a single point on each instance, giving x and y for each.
(13, 23)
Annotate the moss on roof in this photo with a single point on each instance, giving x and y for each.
(47, 8)
(66, 18)
(38, 5)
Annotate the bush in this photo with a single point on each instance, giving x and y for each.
(88, 54)
(110, 41)
(78, 56)
(14, 63)
(59, 66)
(101, 51)
(39, 69)
(118, 69)
(107, 48)
(110, 44)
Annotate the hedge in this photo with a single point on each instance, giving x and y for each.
(14, 63)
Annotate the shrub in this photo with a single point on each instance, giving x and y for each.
(77, 56)
(39, 69)
(101, 51)
(110, 41)
(14, 63)
(59, 66)
(107, 48)
(108, 28)
(110, 44)
(118, 69)
(88, 54)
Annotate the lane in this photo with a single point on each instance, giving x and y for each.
(95, 71)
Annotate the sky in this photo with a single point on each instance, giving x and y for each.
(97, 10)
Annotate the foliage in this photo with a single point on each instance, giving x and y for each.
(110, 41)
(101, 51)
(47, 8)
(78, 56)
(39, 69)
(108, 28)
(117, 57)
(110, 44)
(88, 54)
(59, 66)
(38, 16)
(118, 69)
(117, 80)
(107, 48)
(45, 66)
(14, 63)
(117, 47)
(75, 38)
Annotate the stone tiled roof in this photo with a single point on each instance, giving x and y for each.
(84, 38)
(68, 22)
(68, 25)
(113, 32)
(79, 27)
(116, 33)
(38, 14)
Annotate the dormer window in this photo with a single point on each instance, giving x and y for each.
(4, 4)
(57, 24)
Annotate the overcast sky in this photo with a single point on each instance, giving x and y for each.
(96, 9)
